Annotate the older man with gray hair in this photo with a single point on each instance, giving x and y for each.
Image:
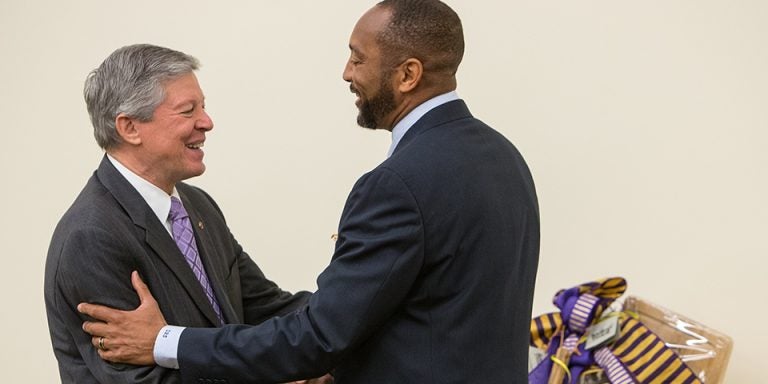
(135, 217)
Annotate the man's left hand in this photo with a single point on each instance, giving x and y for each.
(126, 336)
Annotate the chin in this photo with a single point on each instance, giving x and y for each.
(195, 171)
(363, 122)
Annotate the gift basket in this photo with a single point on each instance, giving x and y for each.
(596, 339)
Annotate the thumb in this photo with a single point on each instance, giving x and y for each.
(145, 296)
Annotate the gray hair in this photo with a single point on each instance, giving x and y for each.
(130, 81)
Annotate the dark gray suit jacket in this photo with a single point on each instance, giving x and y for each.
(110, 231)
(431, 282)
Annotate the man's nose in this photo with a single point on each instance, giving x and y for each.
(347, 74)
(205, 122)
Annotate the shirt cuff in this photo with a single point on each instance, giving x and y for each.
(167, 346)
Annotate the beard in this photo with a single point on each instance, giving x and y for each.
(373, 111)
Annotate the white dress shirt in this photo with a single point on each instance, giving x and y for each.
(157, 199)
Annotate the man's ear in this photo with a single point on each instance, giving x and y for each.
(410, 74)
(127, 129)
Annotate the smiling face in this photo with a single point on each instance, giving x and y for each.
(366, 73)
(168, 148)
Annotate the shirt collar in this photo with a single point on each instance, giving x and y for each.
(156, 198)
(417, 113)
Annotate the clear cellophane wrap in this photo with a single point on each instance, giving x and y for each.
(705, 350)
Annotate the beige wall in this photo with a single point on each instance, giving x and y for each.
(644, 123)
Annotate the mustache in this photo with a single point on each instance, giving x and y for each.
(353, 89)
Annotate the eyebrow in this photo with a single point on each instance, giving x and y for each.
(356, 51)
(192, 101)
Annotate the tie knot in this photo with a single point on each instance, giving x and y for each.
(177, 210)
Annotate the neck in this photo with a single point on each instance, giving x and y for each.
(135, 165)
(412, 100)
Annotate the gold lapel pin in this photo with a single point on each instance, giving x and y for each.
(335, 236)
(200, 225)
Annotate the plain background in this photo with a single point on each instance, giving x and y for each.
(644, 123)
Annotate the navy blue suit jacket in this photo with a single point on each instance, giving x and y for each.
(431, 281)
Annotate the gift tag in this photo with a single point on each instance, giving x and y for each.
(535, 356)
(602, 333)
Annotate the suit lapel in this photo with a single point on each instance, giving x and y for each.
(167, 250)
(208, 252)
(156, 235)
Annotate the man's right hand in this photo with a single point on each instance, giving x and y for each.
(126, 336)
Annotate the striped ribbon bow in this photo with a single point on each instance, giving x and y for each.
(637, 356)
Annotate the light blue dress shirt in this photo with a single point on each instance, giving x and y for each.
(417, 113)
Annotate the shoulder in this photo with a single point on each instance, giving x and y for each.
(95, 221)
(95, 206)
(386, 176)
(94, 217)
(384, 186)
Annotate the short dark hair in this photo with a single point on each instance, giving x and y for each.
(428, 30)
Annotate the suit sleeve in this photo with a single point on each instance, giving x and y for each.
(262, 298)
(94, 266)
(378, 256)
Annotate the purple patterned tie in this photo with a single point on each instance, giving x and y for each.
(185, 240)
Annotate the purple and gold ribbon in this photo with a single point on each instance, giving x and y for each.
(637, 356)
